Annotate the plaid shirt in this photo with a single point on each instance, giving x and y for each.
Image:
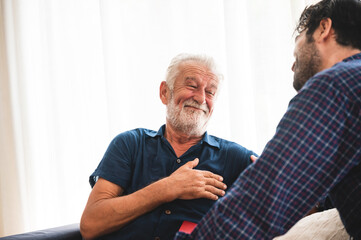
(315, 152)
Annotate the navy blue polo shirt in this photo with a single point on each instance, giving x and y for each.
(136, 158)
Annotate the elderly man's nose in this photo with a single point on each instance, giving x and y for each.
(293, 66)
(200, 97)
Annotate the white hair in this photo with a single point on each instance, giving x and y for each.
(173, 68)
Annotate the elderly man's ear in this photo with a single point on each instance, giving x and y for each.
(164, 92)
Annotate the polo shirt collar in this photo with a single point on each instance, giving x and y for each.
(206, 138)
(210, 140)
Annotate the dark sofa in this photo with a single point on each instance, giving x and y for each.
(67, 232)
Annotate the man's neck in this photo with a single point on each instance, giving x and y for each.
(337, 55)
(180, 141)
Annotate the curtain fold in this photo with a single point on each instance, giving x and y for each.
(74, 73)
(12, 185)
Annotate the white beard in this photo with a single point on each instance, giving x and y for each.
(187, 120)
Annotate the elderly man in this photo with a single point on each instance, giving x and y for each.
(150, 183)
(316, 150)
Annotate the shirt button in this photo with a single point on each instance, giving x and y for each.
(168, 212)
(179, 161)
(157, 238)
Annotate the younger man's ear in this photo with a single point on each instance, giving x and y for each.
(324, 30)
(163, 92)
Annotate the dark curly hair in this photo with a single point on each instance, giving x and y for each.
(345, 16)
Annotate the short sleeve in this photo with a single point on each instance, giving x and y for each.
(238, 159)
(116, 163)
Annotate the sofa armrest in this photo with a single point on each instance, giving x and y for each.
(67, 232)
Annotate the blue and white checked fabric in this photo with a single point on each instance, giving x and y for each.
(315, 152)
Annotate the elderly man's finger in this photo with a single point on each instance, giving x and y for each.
(253, 158)
(215, 191)
(209, 174)
(215, 183)
(209, 195)
(193, 163)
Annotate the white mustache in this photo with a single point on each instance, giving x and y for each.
(191, 103)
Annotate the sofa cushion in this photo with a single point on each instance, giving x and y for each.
(67, 232)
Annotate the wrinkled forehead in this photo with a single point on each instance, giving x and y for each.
(196, 71)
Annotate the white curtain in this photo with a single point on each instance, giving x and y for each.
(74, 73)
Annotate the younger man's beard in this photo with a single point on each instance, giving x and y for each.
(309, 63)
